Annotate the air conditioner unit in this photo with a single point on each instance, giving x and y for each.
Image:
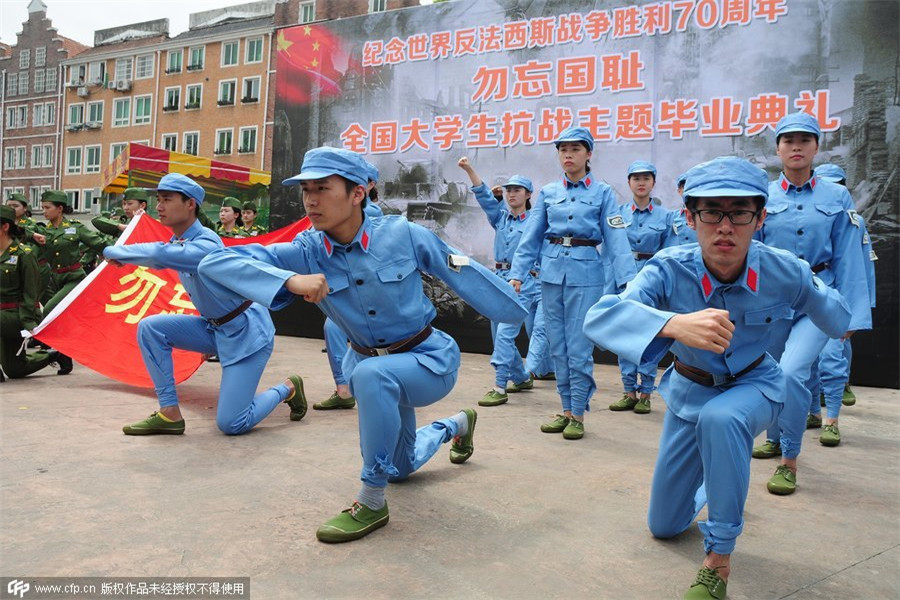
(111, 85)
(123, 85)
(83, 92)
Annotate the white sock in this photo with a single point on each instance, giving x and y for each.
(462, 423)
(373, 497)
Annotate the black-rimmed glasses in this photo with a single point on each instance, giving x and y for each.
(737, 217)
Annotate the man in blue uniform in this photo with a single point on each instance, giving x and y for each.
(713, 305)
(364, 274)
(240, 332)
(681, 233)
(814, 219)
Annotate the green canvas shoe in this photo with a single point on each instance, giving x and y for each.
(831, 436)
(493, 398)
(334, 402)
(518, 387)
(707, 586)
(551, 376)
(783, 482)
(643, 406)
(813, 421)
(297, 400)
(769, 449)
(574, 430)
(353, 523)
(154, 425)
(557, 425)
(464, 445)
(626, 403)
(849, 398)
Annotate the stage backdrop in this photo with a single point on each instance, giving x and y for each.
(673, 82)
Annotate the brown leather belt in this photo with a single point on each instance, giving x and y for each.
(401, 346)
(68, 269)
(222, 320)
(502, 266)
(820, 267)
(43, 261)
(642, 255)
(570, 241)
(709, 379)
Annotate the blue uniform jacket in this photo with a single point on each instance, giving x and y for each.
(375, 292)
(587, 210)
(373, 210)
(816, 222)
(680, 233)
(869, 258)
(772, 288)
(237, 339)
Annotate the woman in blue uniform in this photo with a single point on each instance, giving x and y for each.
(508, 221)
(571, 217)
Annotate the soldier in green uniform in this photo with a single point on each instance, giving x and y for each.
(230, 224)
(19, 203)
(61, 240)
(28, 225)
(19, 291)
(248, 215)
(134, 201)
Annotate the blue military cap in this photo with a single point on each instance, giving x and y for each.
(323, 162)
(372, 172)
(726, 176)
(641, 166)
(682, 179)
(520, 181)
(830, 172)
(575, 134)
(798, 122)
(176, 182)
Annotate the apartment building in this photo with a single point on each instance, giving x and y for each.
(293, 12)
(31, 106)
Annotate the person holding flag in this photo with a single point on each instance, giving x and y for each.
(240, 332)
(364, 274)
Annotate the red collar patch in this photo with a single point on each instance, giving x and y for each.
(707, 285)
(364, 241)
(328, 246)
(752, 279)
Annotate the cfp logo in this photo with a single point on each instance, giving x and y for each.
(17, 588)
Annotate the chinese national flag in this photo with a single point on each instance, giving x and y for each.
(96, 324)
(306, 63)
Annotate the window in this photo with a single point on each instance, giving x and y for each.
(22, 116)
(191, 142)
(37, 156)
(35, 193)
(174, 60)
(38, 81)
(76, 115)
(223, 141)
(226, 92)
(12, 84)
(254, 50)
(173, 99)
(116, 149)
(74, 197)
(97, 73)
(251, 90)
(229, 54)
(307, 12)
(11, 118)
(121, 112)
(24, 58)
(92, 159)
(197, 56)
(123, 69)
(95, 112)
(37, 115)
(20, 157)
(48, 155)
(9, 159)
(142, 107)
(76, 75)
(40, 56)
(194, 93)
(143, 67)
(50, 80)
(49, 113)
(73, 160)
(170, 141)
(248, 140)
(23, 84)
(377, 6)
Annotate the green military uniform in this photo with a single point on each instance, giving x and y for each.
(238, 231)
(19, 291)
(28, 226)
(252, 230)
(110, 225)
(62, 250)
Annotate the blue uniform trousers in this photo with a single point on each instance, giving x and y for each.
(538, 360)
(830, 377)
(630, 371)
(238, 409)
(336, 348)
(709, 458)
(801, 351)
(565, 307)
(506, 360)
(388, 389)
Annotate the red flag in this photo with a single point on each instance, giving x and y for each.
(307, 62)
(96, 324)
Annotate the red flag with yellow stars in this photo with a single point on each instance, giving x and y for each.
(308, 61)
